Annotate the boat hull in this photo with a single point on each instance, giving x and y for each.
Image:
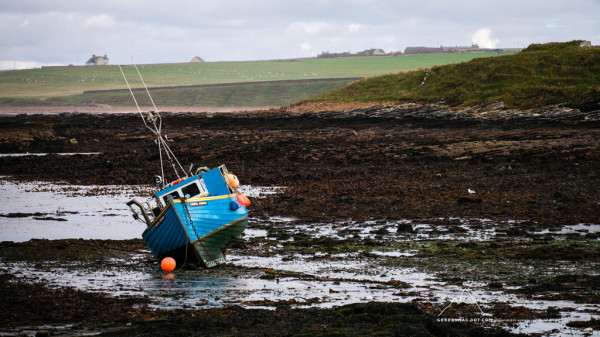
(196, 229)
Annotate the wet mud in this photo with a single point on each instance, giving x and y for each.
(91, 313)
(504, 199)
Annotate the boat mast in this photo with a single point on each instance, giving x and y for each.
(153, 122)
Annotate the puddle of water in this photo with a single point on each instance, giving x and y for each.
(46, 154)
(207, 288)
(258, 191)
(463, 229)
(556, 327)
(582, 228)
(32, 331)
(393, 254)
(48, 211)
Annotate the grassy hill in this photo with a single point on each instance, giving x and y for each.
(65, 85)
(542, 74)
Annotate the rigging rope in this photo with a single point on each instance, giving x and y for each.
(148, 92)
(149, 117)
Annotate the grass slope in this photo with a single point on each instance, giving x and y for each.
(546, 74)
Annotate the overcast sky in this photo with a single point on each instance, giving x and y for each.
(61, 32)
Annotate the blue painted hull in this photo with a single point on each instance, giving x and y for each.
(165, 234)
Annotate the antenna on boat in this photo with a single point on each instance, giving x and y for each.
(153, 121)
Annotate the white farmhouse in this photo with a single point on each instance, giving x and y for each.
(97, 61)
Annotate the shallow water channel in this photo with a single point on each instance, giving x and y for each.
(266, 273)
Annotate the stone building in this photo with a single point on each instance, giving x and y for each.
(97, 61)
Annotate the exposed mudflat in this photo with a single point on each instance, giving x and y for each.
(384, 216)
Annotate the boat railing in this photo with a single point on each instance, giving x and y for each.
(224, 173)
(153, 206)
(142, 210)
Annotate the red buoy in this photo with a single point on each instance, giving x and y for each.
(168, 264)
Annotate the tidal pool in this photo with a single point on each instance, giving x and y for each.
(43, 210)
(270, 271)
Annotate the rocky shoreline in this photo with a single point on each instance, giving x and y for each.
(525, 172)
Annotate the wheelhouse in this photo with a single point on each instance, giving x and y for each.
(190, 188)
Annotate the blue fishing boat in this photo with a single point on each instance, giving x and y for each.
(195, 217)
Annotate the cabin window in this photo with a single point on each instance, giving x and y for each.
(173, 195)
(191, 190)
(195, 189)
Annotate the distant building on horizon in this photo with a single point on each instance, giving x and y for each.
(97, 61)
(474, 48)
(197, 59)
(368, 52)
(371, 52)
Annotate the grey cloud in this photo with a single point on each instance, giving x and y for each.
(62, 31)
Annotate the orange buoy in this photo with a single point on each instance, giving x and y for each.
(233, 180)
(243, 200)
(168, 264)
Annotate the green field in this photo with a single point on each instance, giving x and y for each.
(235, 94)
(65, 85)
